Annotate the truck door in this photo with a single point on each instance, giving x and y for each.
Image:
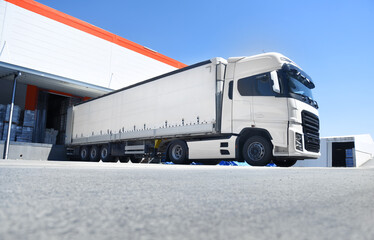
(270, 110)
(242, 109)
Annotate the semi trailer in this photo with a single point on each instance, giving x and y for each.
(259, 109)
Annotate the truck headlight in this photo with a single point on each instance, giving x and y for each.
(299, 141)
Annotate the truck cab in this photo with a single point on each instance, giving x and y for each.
(269, 98)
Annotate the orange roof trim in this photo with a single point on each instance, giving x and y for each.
(93, 30)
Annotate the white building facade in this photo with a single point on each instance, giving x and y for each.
(61, 60)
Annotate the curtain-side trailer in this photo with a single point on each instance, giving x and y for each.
(256, 109)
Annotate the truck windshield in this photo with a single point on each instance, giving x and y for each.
(300, 84)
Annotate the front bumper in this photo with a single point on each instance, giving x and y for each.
(294, 148)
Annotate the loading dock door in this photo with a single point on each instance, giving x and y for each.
(51, 116)
(339, 153)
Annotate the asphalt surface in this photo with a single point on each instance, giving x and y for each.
(65, 200)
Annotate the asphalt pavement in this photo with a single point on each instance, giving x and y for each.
(77, 200)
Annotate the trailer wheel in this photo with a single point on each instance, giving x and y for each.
(105, 154)
(124, 159)
(83, 153)
(285, 162)
(94, 154)
(178, 152)
(136, 158)
(257, 151)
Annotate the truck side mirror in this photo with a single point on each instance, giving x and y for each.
(274, 77)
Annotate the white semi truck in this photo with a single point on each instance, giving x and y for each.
(257, 109)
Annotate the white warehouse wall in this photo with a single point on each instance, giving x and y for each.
(364, 148)
(33, 41)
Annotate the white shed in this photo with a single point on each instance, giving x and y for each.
(344, 151)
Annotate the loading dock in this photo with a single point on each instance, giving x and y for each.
(342, 154)
(83, 62)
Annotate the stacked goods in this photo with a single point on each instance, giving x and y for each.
(16, 114)
(22, 133)
(26, 134)
(2, 118)
(12, 132)
(18, 132)
(29, 118)
(28, 127)
(50, 136)
(2, 112)
(349, 157)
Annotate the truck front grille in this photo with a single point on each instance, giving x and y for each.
(310, 124)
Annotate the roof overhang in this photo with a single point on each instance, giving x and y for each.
(51, 81)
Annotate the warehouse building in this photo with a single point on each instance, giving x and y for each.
(49, 61)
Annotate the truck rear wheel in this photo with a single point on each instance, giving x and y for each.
(124, 159)
(285, 162)
(178, 152)
(105, 154)
(209, 162)
(136, 158)
(94, 154)
(257, 151)
(83, 153)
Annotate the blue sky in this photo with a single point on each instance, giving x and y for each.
(333, 41)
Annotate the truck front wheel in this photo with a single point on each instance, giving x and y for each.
(257, 151)
(285, 162)
(178, 152)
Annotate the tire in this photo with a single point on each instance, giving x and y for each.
(124, 159)
(84, 153)
(285, 162)
(209, 162)
(94, 154)
(178, 152)
(105, 154)
(136, 159)
(257, 151)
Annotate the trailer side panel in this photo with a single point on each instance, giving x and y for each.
(177, 104)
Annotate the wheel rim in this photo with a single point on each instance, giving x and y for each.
(104, 153)
(177, 152)
(93, 153)
(256, 151)
(84, 153)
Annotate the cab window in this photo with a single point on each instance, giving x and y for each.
(258, 85)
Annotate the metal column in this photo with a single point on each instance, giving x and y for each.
(6, 149)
